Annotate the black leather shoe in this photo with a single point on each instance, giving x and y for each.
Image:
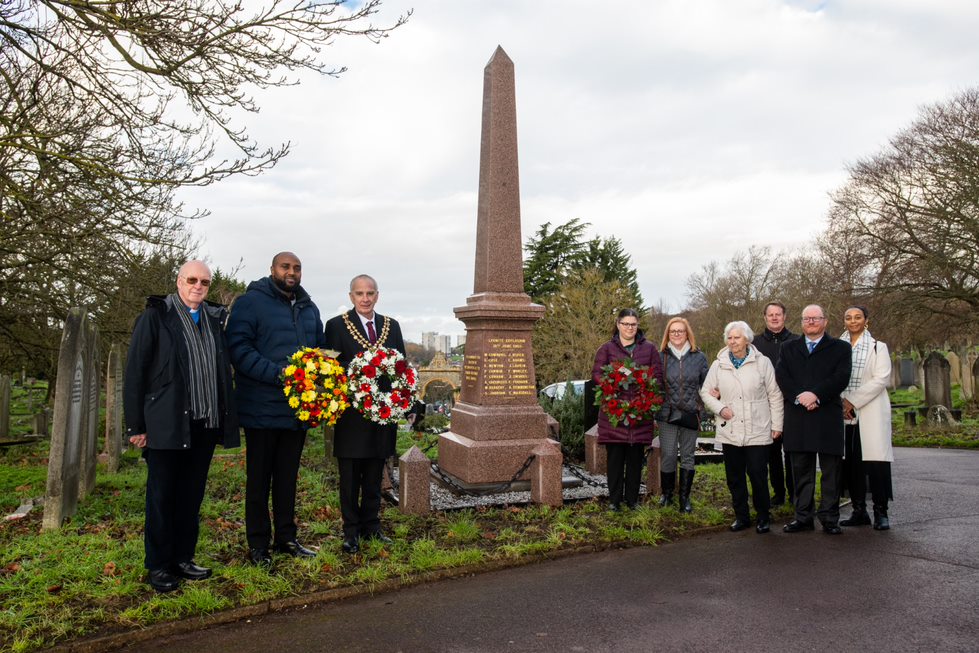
(260, 557)
(881, 522)
(666, 500)
(763, 526)
(796, 526)
(377, 537)
(740, 525)
(295, 549)
(857, 518)
(191, 571)
(614, 507)
(351, 545)
(162, 580)
(832, 529)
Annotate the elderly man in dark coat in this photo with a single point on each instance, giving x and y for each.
(360, 445)
(812, 373)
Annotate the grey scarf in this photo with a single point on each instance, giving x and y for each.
(201, 363)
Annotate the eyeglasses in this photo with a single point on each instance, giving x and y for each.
(629, 325)
(193, 281)
(811, 320)
(677, 332)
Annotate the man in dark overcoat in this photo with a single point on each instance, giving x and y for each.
(812, 373)
(362, 446)
(179, 405)
(769, 342)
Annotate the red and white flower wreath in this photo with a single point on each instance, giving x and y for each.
(364, 372)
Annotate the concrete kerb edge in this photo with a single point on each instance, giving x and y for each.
(117, 641)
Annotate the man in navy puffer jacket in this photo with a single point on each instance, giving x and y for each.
(270, 322)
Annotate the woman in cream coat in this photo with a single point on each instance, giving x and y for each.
(741, 390)
(867, 414)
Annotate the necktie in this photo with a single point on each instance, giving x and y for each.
(812, 346)
(372, 335)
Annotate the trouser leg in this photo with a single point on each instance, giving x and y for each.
(688, 446)
(259, 459)
(854, 477)
(633, 472)
(879, 472)
(829, 501)
(668, 436)
(191, 483)
(777, 470)
(616, 454)
(804, 477)
(162, 468)
(350, 484)
(368, 515)
(757, 459)
(789, 479)
(735, 462)
(285, 476)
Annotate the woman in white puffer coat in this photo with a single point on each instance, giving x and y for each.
(741, 390)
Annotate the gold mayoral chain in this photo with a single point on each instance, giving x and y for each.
(364, 342)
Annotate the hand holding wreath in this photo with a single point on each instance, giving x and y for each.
(315, 385)
(366, 369)
(628, 393)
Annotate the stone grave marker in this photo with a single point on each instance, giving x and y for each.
(497, 423)
(70, 420)
(114, 434)
(414, 483)
(954, 367)
(4, 406)
(90, 431)
(938, 386)
(907, 372)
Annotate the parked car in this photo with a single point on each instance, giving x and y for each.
(557, 390)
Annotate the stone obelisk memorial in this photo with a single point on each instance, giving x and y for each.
(497, 423)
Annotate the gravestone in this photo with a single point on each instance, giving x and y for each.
(114, 442)
(41, 423)
(90, 433)
(653, 466)
(907, 367)
(954, 367)
(497, 423)
(70, 420)
(596, 457)
(968, 388)
(938, 386)
(4, 406)
(975, 375)
(545, 475)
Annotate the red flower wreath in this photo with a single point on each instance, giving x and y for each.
(619, 377)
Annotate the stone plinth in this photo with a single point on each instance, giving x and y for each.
(545, 475)
(497, 422)
(653, 486)
(90, 431)
(414, 477)
(596, 457)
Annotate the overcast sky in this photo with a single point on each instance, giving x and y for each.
(689, 129)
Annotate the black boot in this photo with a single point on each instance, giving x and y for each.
(686, 484)
(667, 482)
(858, 517)
(881, 522)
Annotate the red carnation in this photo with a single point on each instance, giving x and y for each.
(370, 372)
(368, 402)
(400, 367)
(384, 412)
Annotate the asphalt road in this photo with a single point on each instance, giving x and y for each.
(913, 588)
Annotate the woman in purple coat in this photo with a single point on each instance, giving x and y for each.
(625, 444)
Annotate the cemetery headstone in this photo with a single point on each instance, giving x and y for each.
(938, 386)
(70, 420)
(414, 483)
(907, 367)
(114, 442)
(954, 367)
(90, 432)
(4, 406)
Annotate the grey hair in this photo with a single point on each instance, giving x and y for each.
(742, 326)
(365, 277)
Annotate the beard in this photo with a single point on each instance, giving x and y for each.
(282, 285)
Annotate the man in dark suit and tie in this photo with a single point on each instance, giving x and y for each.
(812, 373)
(362, 446)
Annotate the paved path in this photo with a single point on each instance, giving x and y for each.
(914, 588)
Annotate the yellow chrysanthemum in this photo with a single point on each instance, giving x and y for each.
(286, 390)
(290, 370)
(304, 415)
(293, 402)
(308, 396)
